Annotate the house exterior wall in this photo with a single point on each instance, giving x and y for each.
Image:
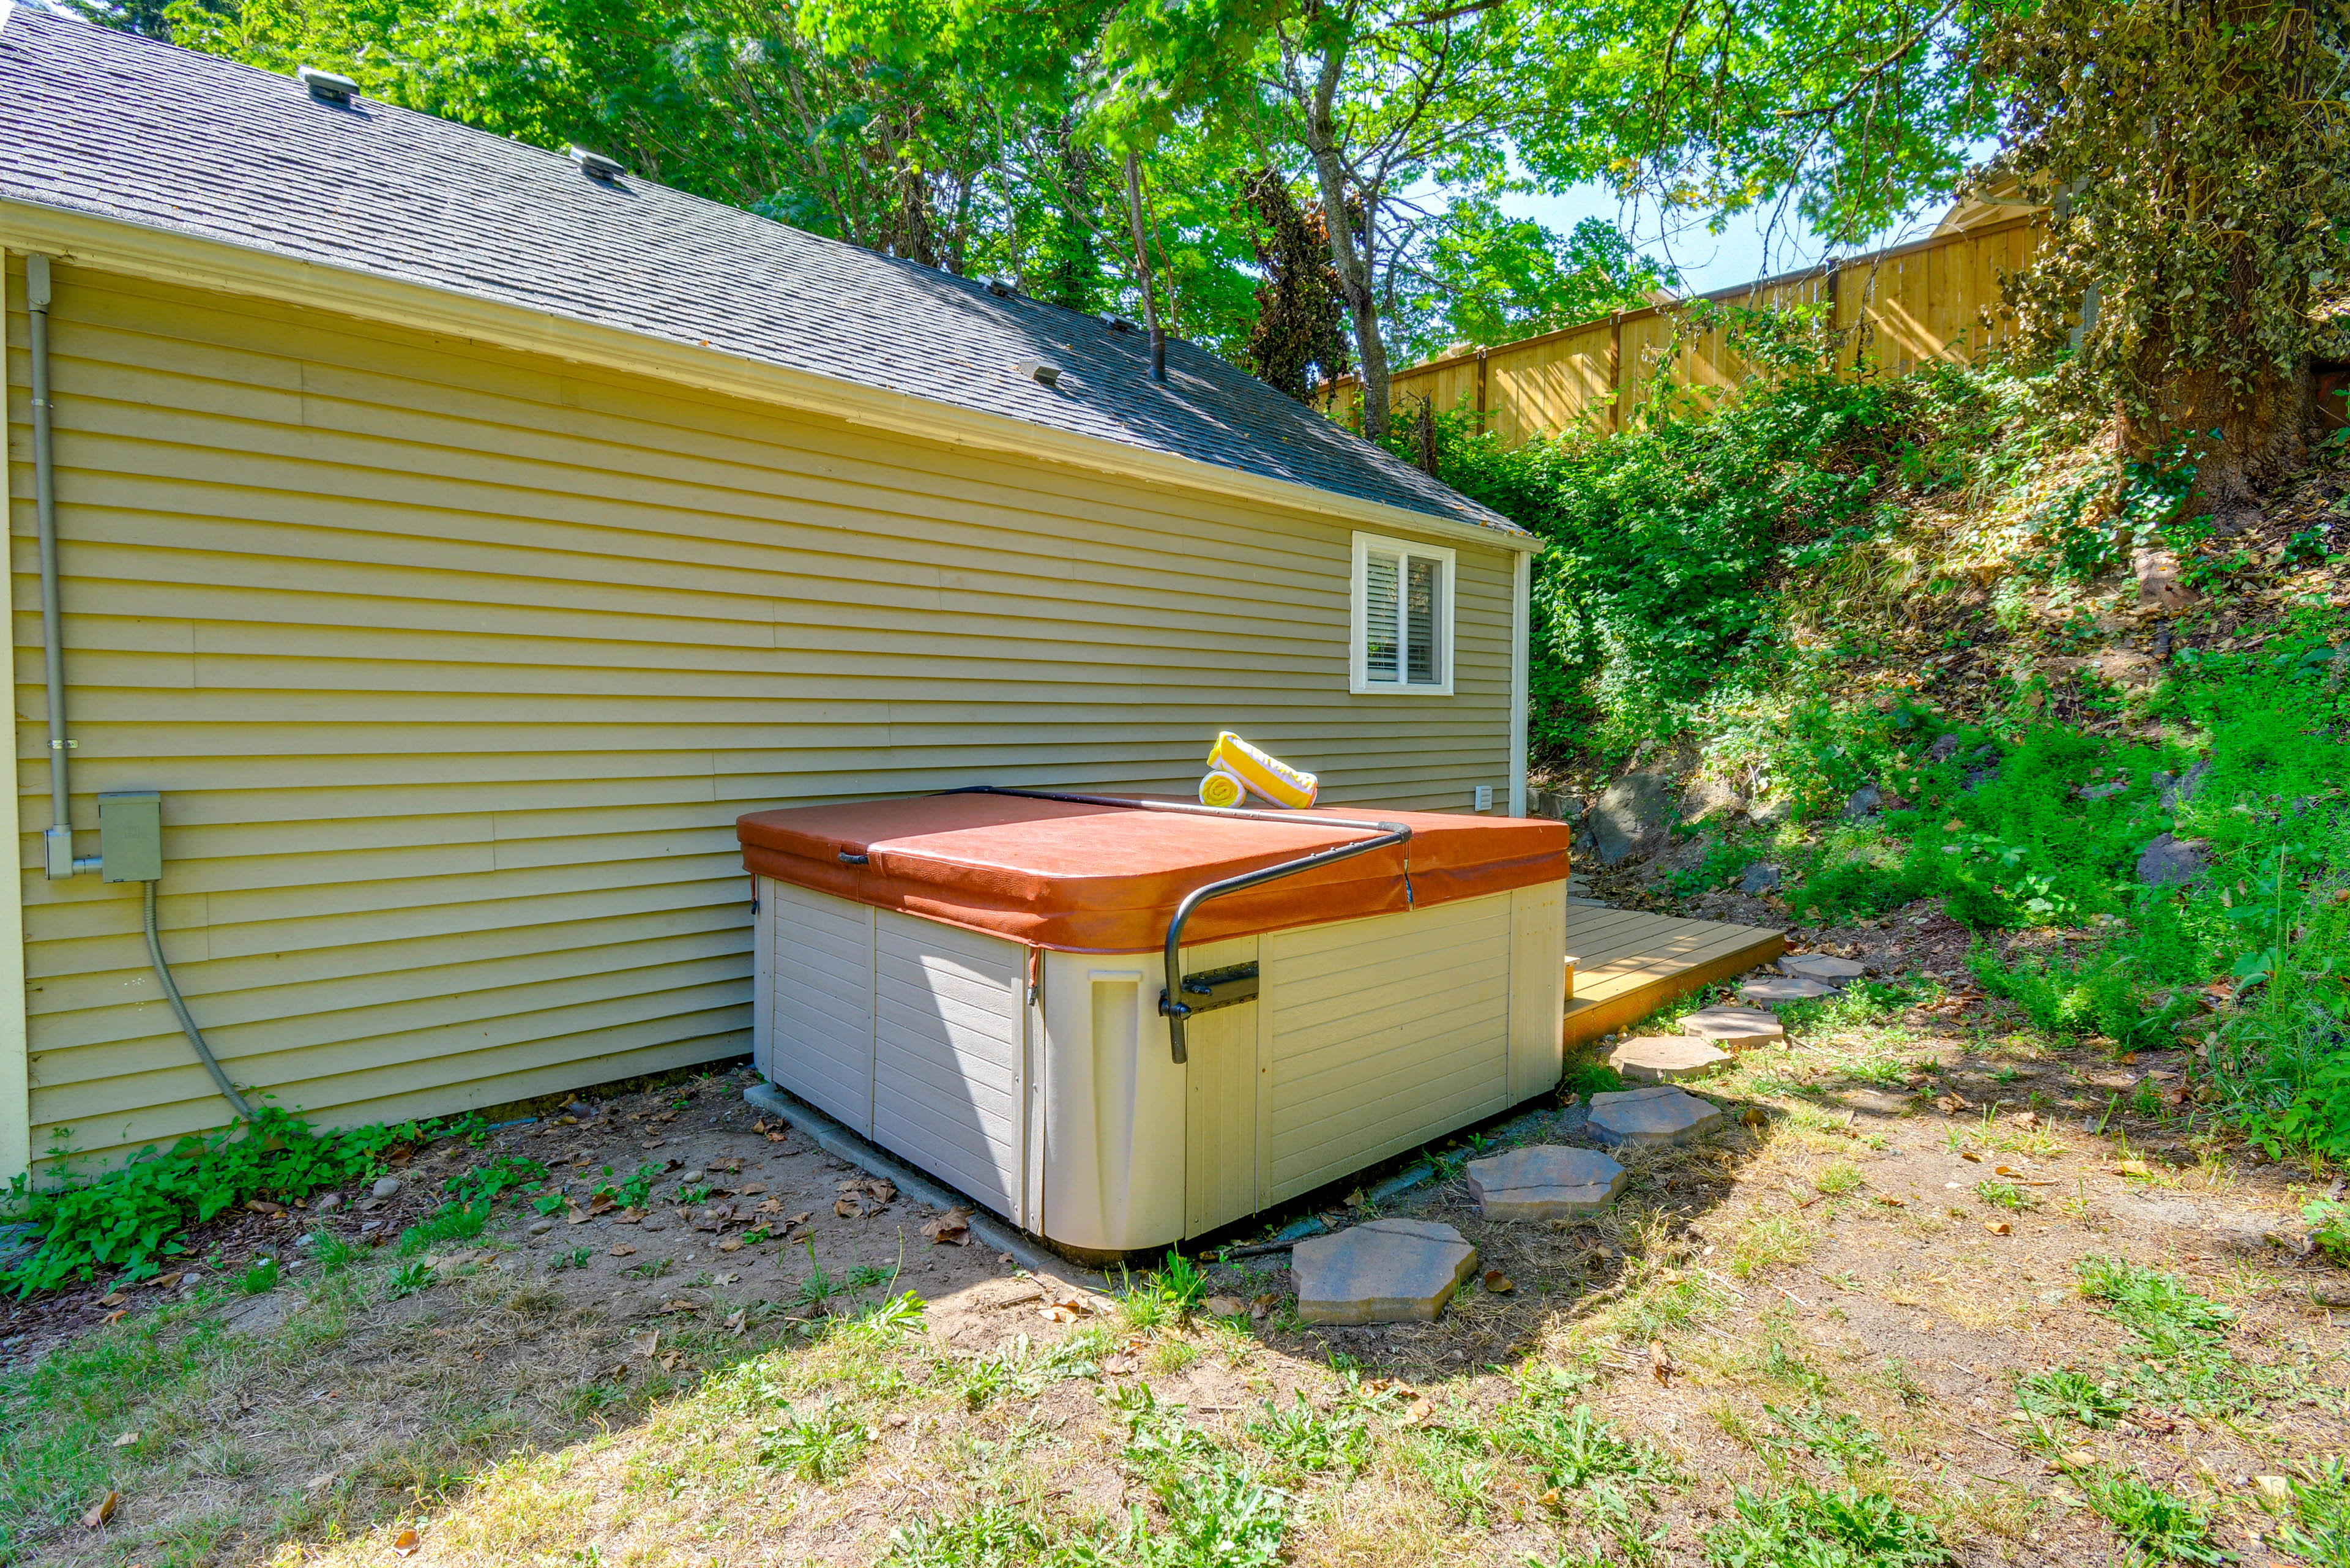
(455, 666)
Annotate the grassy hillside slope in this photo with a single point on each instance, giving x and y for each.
(1926, 645)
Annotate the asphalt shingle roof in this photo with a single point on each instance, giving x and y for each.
(103, 122)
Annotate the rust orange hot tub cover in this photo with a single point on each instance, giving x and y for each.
(1106, 879)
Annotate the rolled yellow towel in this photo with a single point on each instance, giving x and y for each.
(1265, 776)
(1221, 789)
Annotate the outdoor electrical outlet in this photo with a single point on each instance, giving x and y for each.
(130, 835)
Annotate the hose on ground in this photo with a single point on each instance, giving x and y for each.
(180, 1010)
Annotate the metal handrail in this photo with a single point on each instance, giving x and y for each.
(1171, 999)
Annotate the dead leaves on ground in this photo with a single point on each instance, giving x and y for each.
(1063, 1304)
(101, 1510)
(952, 1228)
(863, 1196)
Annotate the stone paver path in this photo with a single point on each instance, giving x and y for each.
(1667, 1058)
(1385, 1270)
(1822, 967)
(1735, 1028)
(1661, 1115)
(1772, 989)
(1544, 1182)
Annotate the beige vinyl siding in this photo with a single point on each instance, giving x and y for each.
(455, 667)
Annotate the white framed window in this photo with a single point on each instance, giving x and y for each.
(1402, 620)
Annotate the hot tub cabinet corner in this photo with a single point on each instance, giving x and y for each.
(1042, 1082)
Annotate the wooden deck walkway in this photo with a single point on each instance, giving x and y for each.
(1624, 964)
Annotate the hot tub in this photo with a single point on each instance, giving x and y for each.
(977, 982)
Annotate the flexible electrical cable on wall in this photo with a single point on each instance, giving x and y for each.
(180, 1009)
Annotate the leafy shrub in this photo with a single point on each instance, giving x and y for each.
(1663, 540)
(2330, 1227)
(126, 1221)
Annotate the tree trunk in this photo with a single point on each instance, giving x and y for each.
(2245, 439)
(1142, 268)
(1351, 259)
(2262, 434)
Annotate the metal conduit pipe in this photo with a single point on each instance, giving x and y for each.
(1171, 999)
(180, 1007)
(57, 844)
(59, 860)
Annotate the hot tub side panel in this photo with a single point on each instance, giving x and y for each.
(913, 1033)
(1386, 1032)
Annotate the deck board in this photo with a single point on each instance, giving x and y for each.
(1628, 963)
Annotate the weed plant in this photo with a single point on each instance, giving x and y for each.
(128, 1222)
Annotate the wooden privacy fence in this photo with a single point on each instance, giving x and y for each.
(1937, 299)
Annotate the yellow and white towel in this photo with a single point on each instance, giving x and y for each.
(1255, 772)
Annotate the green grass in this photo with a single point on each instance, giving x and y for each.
(1799, 1523)
(1573, 1447)
(2075, 1394)
(2317, 1514)
(1303, 1439)
(58, 1419)
(2154, 1525)
(992, 1535)
(2006, 1195)
(1839, 1179)
(1838, 1437)
(822, 1447)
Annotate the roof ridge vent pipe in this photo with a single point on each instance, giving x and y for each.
(57, 859)
(595, 165)
(326, 86)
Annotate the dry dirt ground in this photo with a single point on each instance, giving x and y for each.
(1941, 1292)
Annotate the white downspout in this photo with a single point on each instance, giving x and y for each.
(1521, 682)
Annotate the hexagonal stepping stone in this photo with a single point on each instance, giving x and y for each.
(1667, 1058)
(1735, 1028)
(1386, 1270)
(1643, 1118)
(1544, 1182)
(1822, 967)
(1771, 989)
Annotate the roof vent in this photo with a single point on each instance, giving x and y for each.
(1118, 324)
(595, 165)
(1000, 288)
(1044, 372)
(326, 86)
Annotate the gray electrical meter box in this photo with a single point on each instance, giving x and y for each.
(130, 835)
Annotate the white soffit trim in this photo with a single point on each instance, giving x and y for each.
(108, 243)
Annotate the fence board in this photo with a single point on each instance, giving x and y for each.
(1938, 298)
